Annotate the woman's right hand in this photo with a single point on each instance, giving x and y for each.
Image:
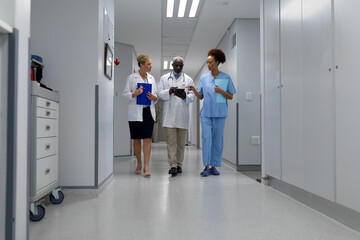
(191, 88)
(138, 91)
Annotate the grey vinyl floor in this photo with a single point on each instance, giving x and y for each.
(229, 206)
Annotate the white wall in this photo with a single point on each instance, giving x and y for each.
(3, 127)
(16, 14)
(122, 142)
(22, 23)
(248, 80)
(72, 49)
(7, 11)
(106, 97)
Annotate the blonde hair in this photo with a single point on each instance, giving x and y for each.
(142, 59)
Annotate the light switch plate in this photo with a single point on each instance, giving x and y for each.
(248, 96)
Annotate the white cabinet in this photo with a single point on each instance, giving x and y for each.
(319, 92)
(44, 142)
(272, 88)
(307, 99)
(347, 86)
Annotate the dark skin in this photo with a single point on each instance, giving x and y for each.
(177, 66)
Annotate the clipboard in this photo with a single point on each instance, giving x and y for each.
(223, 84)
(142, 98)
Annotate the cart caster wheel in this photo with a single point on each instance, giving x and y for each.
(59, 200)
(40, 214)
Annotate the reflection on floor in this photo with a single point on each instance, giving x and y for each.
(229, 206)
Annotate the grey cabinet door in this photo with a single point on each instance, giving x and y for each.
(292, 92)
(271, 96)
(307, 95)
(347, 85)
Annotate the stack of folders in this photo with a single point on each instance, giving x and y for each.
(142, 99)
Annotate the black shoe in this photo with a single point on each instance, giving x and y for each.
(179, 170)
(173, 171)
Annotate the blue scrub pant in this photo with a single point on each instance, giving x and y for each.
(212, 140)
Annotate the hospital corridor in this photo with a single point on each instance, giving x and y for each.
(179, 119)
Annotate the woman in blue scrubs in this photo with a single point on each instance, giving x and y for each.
(216, 88)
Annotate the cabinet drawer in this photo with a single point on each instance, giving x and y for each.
(46, 171)
(46, 127)
(45, 103)
(46, 113)
(46, 147)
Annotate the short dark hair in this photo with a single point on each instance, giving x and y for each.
(218, 54)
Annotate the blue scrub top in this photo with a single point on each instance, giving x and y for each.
(211, 108)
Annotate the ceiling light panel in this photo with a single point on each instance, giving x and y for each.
(182, 7)
(194, 8)
(170, 8)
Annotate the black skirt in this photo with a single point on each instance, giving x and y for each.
(144, 129)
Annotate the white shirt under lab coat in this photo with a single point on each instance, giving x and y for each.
(135, 111)
(176, 110)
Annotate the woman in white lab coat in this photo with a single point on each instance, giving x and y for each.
(141, 117)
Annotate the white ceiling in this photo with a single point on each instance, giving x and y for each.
(141, 23)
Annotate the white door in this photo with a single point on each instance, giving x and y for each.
(307, 99)
(271, 116)
(347, 85)
(292, 92)
(318, 102)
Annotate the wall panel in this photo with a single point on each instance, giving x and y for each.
(347, 85)
(271, 88)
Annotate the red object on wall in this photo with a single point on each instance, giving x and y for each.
(117, 62)
(32, 74)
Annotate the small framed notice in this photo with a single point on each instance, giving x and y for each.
(108, 61)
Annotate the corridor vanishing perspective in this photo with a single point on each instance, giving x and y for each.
(188, 206)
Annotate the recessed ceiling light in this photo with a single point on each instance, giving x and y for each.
(170, 8)
(194, 7)
(182, 7)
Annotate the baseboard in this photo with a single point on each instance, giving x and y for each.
(340, 213)
(248, 167)
(243, 167)
(89, 191)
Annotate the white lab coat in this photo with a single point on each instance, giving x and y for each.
(176, 110)
(135, 111)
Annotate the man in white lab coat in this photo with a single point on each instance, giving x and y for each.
(176, 98)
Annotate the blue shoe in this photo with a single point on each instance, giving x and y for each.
(214, 171)
(205, 172)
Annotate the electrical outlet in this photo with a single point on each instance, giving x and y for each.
(255, 140)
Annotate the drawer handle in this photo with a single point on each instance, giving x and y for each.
(48, 104)
(47, 113)
(47, 128)
(47, 147)
(47, 171)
